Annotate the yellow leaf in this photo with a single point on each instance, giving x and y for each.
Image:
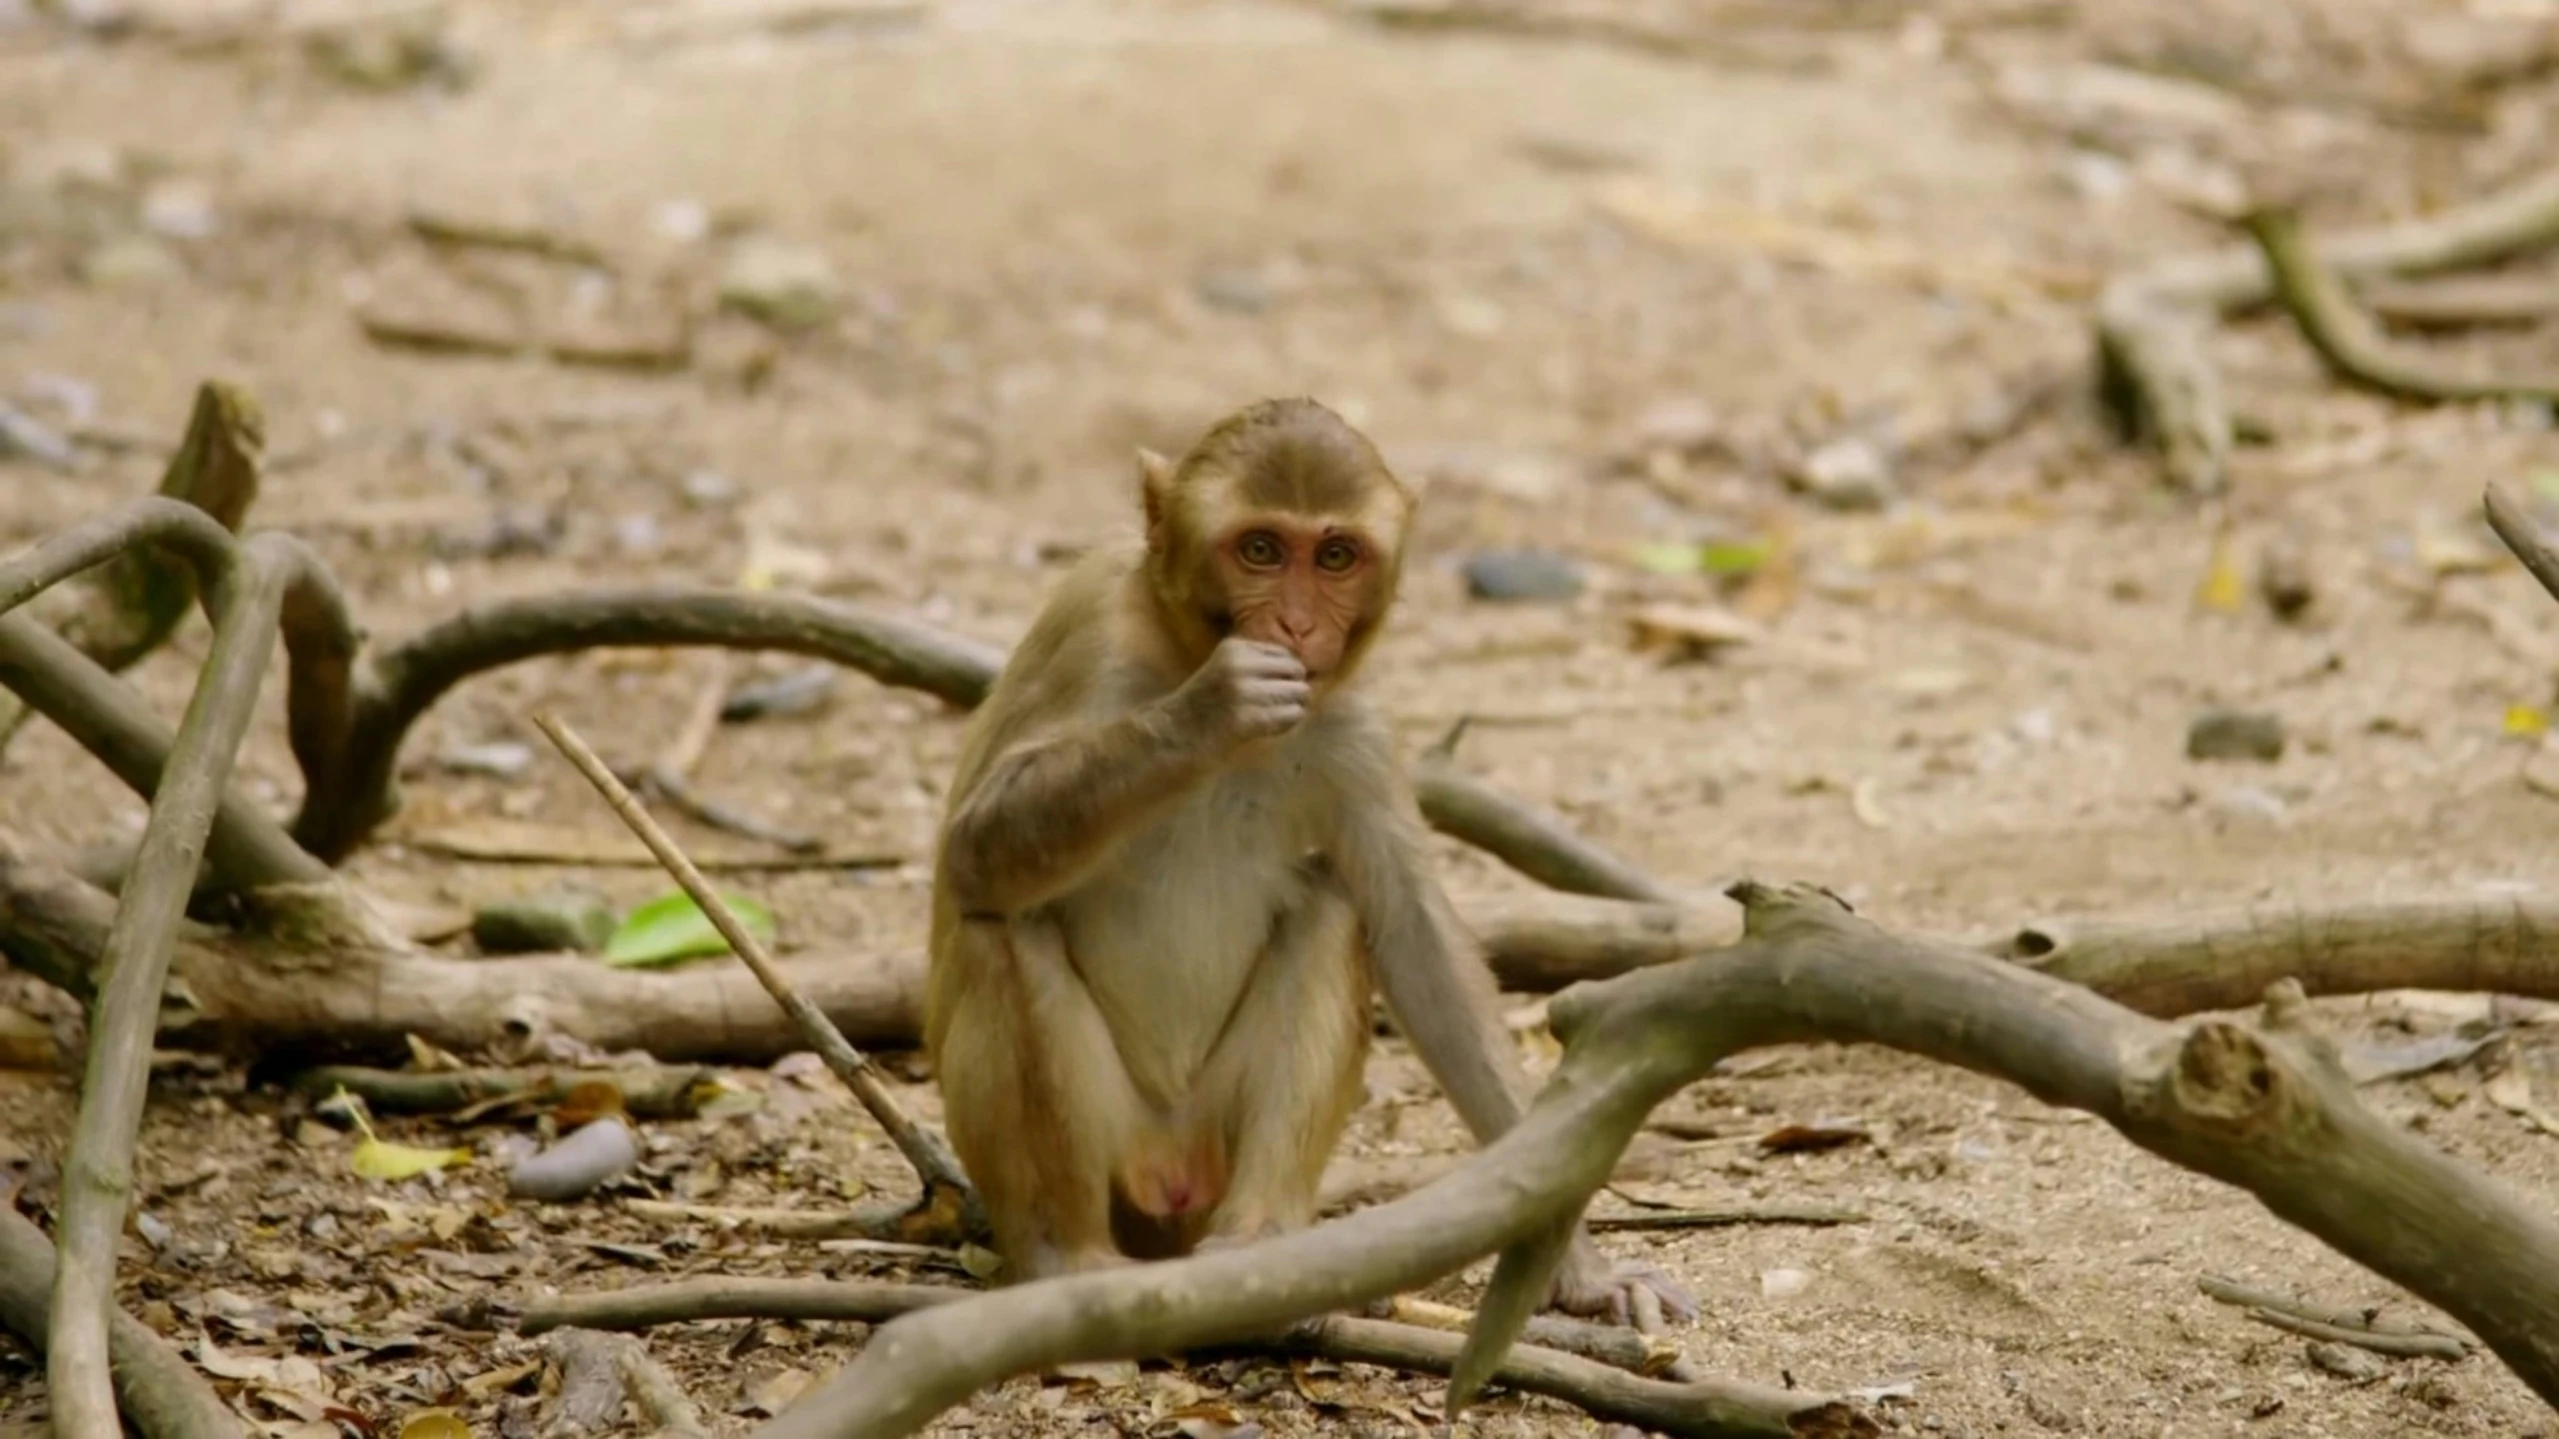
(434, 1424)
(2526, 720)
(2224, 590)
(381, 1159)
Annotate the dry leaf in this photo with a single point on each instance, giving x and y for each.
(770, 1394)
(1690, 631)
(436, 1424)
(2224, 590)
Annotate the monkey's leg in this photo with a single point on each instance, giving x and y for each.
(1038, 1103)
(1288, 1070)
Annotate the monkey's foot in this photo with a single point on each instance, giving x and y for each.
(1633, 1293)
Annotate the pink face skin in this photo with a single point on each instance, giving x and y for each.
(1301, 586)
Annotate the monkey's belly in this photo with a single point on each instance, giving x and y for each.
(1169, 942)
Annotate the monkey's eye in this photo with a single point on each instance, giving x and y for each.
(1337, 556)
(1260, 549)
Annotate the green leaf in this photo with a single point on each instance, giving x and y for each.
(1670, 559)
(672, 927)
(1734, 557)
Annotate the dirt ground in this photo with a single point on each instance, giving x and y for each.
(1818, 273)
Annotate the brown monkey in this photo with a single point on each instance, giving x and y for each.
(1178, 851)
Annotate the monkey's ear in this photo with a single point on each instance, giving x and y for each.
(1155, 479)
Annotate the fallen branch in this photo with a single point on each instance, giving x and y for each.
(654, 1092)
(2347, 340)
(350, 779)
(1609, 1382)
(2154, 371)
(275, 581)
(949, 1207)
(161, 1394)
(2223, 959)
(2268, 1109)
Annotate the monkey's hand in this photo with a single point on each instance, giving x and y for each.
(1594, 1286)
(1246, 691)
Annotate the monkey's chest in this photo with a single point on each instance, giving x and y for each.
(1169, 939)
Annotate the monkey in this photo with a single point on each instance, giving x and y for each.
(1177, 856)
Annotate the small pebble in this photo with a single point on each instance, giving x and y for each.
(551, 921)
(1243, 291)
(2283, 581)
(23, 439)
(1522, 575)
(500, 759)
(2220, 734)
(1846, 474)
(708, 487)
(788, 286)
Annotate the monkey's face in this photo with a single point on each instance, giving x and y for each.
(1312, 587)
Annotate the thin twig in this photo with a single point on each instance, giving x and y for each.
(2397, 1346)
(160, 1392)
(97, 1180)
(2347, 340)
(1726, 1216)
(947, 1192)
(2365, 1320)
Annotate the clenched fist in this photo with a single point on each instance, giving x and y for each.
(1246, 691)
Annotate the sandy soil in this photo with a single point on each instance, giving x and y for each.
(1063, 229)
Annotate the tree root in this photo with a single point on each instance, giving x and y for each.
(2363, 1328)
(2154, 373)
(1538, 845)
(2266, 1108)
(2346, 339)
(123, 610)
(273, 581)
(162, 1395)
(1604, 1371)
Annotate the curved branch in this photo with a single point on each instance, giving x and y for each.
(355, 745)
(156, 521)
(2267, 1109)
(2347, 340)
(1537, 844)
(97, 1172)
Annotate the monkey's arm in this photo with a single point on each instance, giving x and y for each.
(1047, 813)
(1050, 808)
(1442, 996)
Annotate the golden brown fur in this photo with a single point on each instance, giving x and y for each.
(1178, 853)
